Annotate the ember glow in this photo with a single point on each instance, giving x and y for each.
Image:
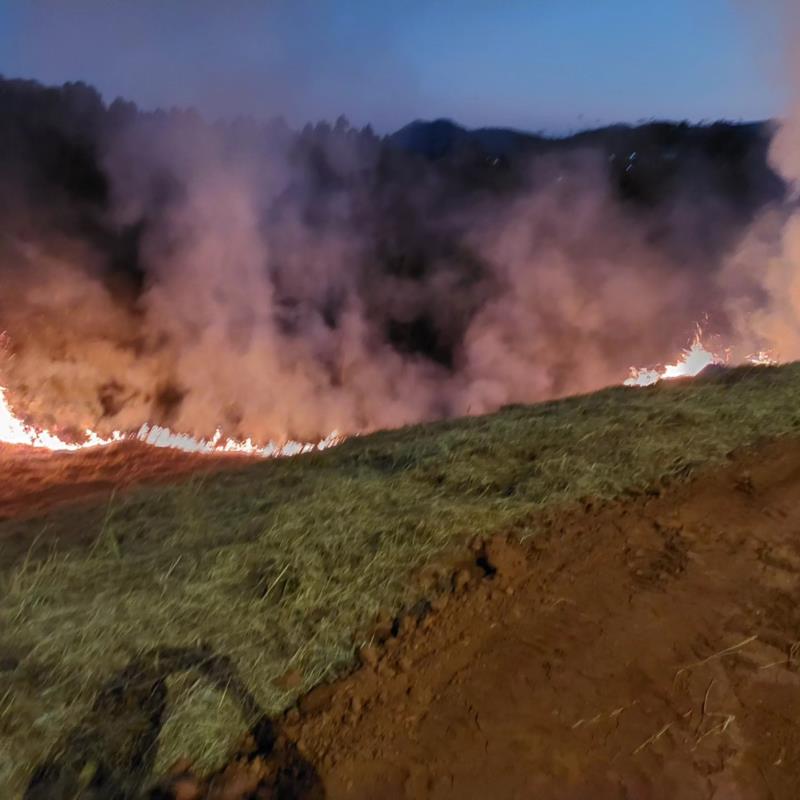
(14, 431)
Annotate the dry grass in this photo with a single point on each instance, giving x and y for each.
(280, 564)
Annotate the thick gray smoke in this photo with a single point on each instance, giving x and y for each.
(281, 285)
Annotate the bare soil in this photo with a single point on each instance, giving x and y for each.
(638, 650)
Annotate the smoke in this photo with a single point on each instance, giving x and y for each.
(785, 152)
(156, 268)
(574, 279)
(761, 282)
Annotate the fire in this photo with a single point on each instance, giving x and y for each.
(163, 437)
(14, 431)
(692, 361)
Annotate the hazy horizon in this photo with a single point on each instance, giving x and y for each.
(539, 67)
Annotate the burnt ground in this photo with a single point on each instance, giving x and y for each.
(37, 485)
(638, 650)
(37, 480)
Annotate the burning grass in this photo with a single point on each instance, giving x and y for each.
(279, 565)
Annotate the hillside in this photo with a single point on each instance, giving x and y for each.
(277, 572)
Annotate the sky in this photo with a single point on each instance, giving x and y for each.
(542, 65)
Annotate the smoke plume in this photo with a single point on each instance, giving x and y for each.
(761, 281)
(158, 268)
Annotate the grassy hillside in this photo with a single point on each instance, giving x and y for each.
(280, 565)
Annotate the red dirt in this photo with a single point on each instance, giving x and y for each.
(35, 480)
(646, 650)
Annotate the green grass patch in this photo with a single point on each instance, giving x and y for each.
(280, 564)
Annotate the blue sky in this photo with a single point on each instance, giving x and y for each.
(552, 65)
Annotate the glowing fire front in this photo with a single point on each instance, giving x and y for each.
(15, 432)
(692, 362)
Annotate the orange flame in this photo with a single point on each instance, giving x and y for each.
(692, 361)
(15, 432)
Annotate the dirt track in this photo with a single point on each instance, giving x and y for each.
(645, 650)
(638, 650)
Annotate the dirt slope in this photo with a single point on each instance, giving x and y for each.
(639, 651)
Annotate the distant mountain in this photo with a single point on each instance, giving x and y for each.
(443, 138)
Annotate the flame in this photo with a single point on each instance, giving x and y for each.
(763, 358)
(692, 361)
(14, 431)
(163, 437)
